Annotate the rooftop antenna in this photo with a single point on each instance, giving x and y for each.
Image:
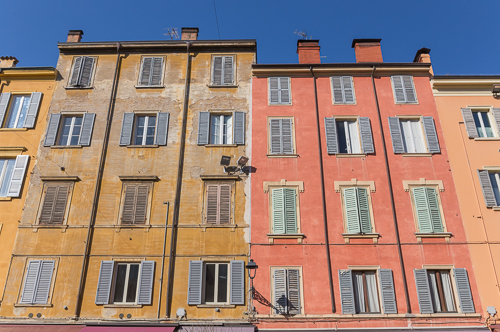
(172, 32)
(302, 33)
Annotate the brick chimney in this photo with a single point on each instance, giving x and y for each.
(8, 61)
(189, 33)
(308, 51)
(74, 36)
(367, 50)
(423, 56)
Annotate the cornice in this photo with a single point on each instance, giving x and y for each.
(472, 86)
(327, 70)
(28, 74)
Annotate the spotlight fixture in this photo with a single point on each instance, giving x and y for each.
(242, 161)
(225, 160)
(231, 170)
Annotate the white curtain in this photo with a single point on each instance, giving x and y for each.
(359, 292)
(418, 137)
(448, 293)
(371, 283)
(434, 292)
(354, 137)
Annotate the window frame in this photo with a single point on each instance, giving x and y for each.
(349, 119)
(343, 102)
(10, 107)
(204, 281)
(60, 129)
(49, 183)
(453, 283)
(279, 96)
(221, 113)
(497, 179)
(115, 279)
(136, 182)
(91, 78)
(422, 131)
(211, 78)
(495, 130)
(3, 174)
(295, 187)
(294, 143)
(147, 115)
(406, 98)
(409, 186)
(141, 65)
(209, 182)
(301, 285)
(368, 187)
(363, 269)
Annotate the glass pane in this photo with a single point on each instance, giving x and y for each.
(139, 129)
(222, 286)
(77, 127)
(150, 131)
(65, 131)
(495, 183)
(341, 137)
(354, 137)
(210, 283)
(487, 125)
(4, 186)
(24, 110)
(120, 282)
(477, 122)
(228, 130)
(133, 276)
(14, 110)
(215, 129)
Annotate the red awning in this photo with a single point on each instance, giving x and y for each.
(40, 328)
(127, 329)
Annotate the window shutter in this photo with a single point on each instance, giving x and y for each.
(290, 210)
(217, 71)
(399, 94)
(346, 292)
(423, 210)
(338, 97)
(366, 135)
(463, 290)
(274, 95)
(396, 137)
(48, 205)
(423, 291)
(44, 282)
(162, 128)
(4, 104)
(195, 282)
(35, 99)
(228, 70)
(239, 128)
(496, 116)
(52, 127)
(203, 128)
(212, 204)
(487, 188)
(157, 71)
(280, 294)
(129, 204)
(364, 210)
(410, 95)
(470, 125)
(30, 282)
(75, 75)
(332, 144)
(351, 210)
(435, 213)
(17, 178)
(104, 283)
(293, 280)
(387, 291)
(225, 204)
(348, 90)
(146, 282)
(275, 129)
(87, 67)
(237, 287)
(141, 204)
(87, 127)
(146, 71)
(430, 134)
(284, 90)
(278, 199)
(127, 126)
(60, 204)
(286, 136)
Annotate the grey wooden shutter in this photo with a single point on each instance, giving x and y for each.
(487, 188)
(463, 291)
(275, 133)
(423, 291)
(365, 130)
(284, 90)
(52, 127)
(430, 134)
(162, 128)
(48, 205)
(157, 71)
(348, 90)
(4, 104)
(128, 212)
(224, 204)
(44, 282)
(104, 283)
(17, 178)
(280, 293)
(496, 116)
(399, 94)
(217, 71)
(338, 96)
(146, 282)
(237, 286)
(212, 204)
(195, 282)
(146, 71)
(332, 144)
(141, 204)
(396, 137)
(346, 292)
(30, 282)
(203, 128)
(87, 67)
(470, 125)
(35, 99)
(293, 286)
(239, 128)
(286, 136)
(228, 70)
(59, 211)
(409, 89)
(75, 75)
(387, 291)
(127, 127)
(87, 127)
(274, 95)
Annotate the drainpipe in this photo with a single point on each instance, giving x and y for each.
(178, 189)
(97, 190)
(391, 194)
(163, 258)
(325, 219)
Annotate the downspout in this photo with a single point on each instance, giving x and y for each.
(163, 258)
(97, 190)
(325, 219)
(391, 194)
(178, 189)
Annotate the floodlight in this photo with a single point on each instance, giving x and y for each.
(225, 160)
(230, 169)
(242, 161)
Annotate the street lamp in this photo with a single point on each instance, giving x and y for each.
(252, 271)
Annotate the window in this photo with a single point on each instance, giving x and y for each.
(151, 71)
(482, 122)
(349, 136)
(441, 290)
(404, 90)
(12, 175)
(126, 278)
(144, 132)
(135, 203)
(216, 283)
(221, 128)
(54, 207)
(286, 291)
(279, 90)
(343, 90)
(69, 130)
(366, 292)
(218, 209)
(81, 75)
(490, 185)
(19, 111)
(284, 211)
(37, 282)
(479, 122)
(6, 170)
(357, 212)
(281, 140)
(427, 209)
(414, 135)
(223, 70)
(144, 129)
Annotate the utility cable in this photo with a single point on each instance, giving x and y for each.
(216, 20)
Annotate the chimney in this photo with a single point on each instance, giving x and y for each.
(367, 50)
(74, 36)
(308, 51)
(8, 61)
(189, 33)
(423, 56)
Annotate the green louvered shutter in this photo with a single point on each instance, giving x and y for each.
(364, 210)
(435, 213)
(422, 208)
(290, 211)
(351, 210)
(278, 199)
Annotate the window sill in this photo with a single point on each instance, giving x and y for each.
(486, 138)
(298, 236)
(215, 306)
(5, 198)
(66, 146)
(349, 236)
(60, 178)
(280, 104)
(416, 154)
(122, 306)
(138, 178)
(496, 208)
(351, 155)
(143, 146)
(282, 155)
(78, 87)
(35, 228)
(149, 86)
(20, 305)
(446, 235)
(13, 129)
(220, 145)
(231, 226)
(222, 86)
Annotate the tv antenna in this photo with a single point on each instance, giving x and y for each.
(172, 32)
(302, 33)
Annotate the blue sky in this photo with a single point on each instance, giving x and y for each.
(463, 35)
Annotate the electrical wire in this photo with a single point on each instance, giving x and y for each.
(216, 20)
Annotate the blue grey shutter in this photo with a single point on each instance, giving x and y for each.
(293, 288)
(364, 210)
(4, 104)
(409, 89)
(203, 128)
(237, 287)
(366, 135)
(52, 127)
(87, 68)
(496, 116)
(346, 292)
(470, 125)
(396, 137)
(275, 133)
(162, 128)
(463, 290)
(17, 178)
(338, 96)
(35, 99)
(286, 136)
(332, 144)
(228, 70)
(146, 71)
(278, 204)
(239, 128)
(75, 75)
(430, 134)
(87, 127)
(195, 282)
(274, 90)
(423, 291)
(104, 283)
(399, 94)
(351, 210)
(44, 282)
(30, 282)
(284, 90)
(487, 188)
(146, 282)
(217, 71)
(387, 291)
(348, 90)
(157, 71)
(280, 293)
(127, 127)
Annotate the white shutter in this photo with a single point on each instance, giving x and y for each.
(239, 127)
(104, 283)
(35, 99)
(430, 134)
(487, 188)
(348, 90)
(30, 282)
(44, 282)
(338, 96)
(237, 287)
(146, 282)
(228, 70)
(195, 282)
(217, 70)
(17, 178)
